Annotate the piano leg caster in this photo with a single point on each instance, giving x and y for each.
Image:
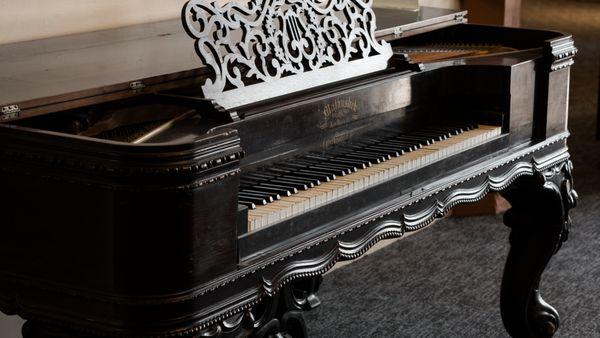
(540, 223)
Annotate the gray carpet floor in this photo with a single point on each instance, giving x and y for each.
(445, 280)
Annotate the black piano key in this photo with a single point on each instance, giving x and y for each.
(400, 145)
(267, 189)
(360, 160)
(306, 179)
(347, 167)
(297, 174)
(298, 185)
(255, 200)
(299, 169)
(285, 189)
(316, 165)
(409, 138)
(471, 126)
(322, 175)
(381, 156)
(383, 150)
(250, 205)
(411, 146)
(420, 136)
(369, 141)
(464, 126)
(273, 195)
(393, 151)
(449, 131)
(435, 131)
(264, 196)
(358, 156)
(342, 169)
(350, 153)
(331, 173)
(329, 159)
(311, 183)
(432, 135)
(293, 165)
(335, 171)
(354, 165)
(303, 184)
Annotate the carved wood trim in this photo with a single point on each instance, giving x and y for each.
(392, 221)
(386, 229)
(560, 53)
(142, 162)
(268, 48)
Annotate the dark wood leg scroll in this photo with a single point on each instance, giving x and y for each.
(540, 223)
(288, 319)
(277, 316)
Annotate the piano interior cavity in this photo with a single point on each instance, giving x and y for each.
(444, 51)
(136, 121)
(468, 41)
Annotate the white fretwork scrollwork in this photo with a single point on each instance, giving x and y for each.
(280, 45)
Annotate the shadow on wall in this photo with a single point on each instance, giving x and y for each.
(21, 20)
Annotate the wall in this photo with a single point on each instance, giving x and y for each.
(22, 20)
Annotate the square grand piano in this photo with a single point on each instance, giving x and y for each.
(147, 195)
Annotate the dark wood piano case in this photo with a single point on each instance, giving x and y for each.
(104, 237)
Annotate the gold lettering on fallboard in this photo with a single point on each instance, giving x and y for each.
(339, 111)
(339, 136)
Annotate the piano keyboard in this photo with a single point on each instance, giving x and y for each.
(295, 186)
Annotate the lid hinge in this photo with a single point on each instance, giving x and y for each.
(460, 18)
(137, 86)
(10, 112)
(397, 32)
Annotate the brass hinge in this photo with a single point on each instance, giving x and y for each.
(460, 18)
(397, 32)
(10, 112)
(137, 86)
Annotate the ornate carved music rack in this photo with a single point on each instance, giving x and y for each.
(269, 48)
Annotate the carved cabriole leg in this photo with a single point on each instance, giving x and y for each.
(540, 223)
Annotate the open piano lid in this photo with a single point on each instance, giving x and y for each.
(55, 74)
